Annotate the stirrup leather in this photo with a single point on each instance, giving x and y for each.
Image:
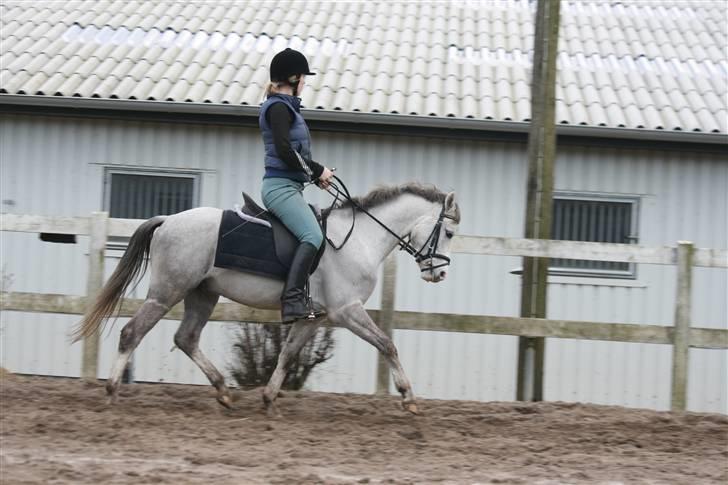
(313, 311)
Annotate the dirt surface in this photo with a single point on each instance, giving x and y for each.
(61, 431)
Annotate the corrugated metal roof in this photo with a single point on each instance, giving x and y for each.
(657, 65)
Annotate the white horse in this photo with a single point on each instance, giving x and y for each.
(181, 249)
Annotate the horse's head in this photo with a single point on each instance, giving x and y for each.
(432, 235)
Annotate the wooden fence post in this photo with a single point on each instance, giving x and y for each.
(98, 228)
(389, 281)
(539, 194)
(681, 331)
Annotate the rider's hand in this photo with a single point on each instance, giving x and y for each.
(324, 178)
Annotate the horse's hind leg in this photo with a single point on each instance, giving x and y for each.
(198, 308)
(145, 318)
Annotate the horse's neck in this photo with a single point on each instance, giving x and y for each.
(399, 215)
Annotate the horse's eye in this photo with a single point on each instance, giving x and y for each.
(449, 234)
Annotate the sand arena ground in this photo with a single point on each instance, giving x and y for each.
(60, 431)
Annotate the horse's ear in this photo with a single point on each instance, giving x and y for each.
(451, 207)
(450, 201)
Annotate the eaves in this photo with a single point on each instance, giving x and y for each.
(377, 123)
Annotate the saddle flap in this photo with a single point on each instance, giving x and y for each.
(284, 242)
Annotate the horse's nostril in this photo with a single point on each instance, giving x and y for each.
(443, 274)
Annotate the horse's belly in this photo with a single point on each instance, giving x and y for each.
(246, 288)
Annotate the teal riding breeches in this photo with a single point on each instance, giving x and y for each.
(284, 198)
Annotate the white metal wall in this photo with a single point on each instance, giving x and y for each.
(54, 166)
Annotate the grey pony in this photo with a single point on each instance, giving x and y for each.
(181, 250)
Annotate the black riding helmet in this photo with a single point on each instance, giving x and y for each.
(288, 63)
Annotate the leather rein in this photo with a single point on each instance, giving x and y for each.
(428, 249)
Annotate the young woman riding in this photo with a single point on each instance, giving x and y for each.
(288, 166)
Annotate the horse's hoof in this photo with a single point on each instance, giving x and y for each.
(111, 399)
(271, 409)
(273, 412)
(226, 401)
(412, 408)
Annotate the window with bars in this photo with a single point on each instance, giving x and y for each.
(142, 195)
(137, 195)
(594, 219)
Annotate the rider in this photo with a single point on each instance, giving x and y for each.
(288, 166)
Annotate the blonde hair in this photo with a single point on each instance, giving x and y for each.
(273, 86)
(269, 89)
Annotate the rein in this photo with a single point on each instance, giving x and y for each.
(404, 245)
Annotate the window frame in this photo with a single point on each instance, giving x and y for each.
(633, 237)
(109, 171)
(120, 243)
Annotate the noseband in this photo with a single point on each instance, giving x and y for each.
(420, 255)
(431, 243)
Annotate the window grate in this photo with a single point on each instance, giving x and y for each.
(593, 220)
(137, 196)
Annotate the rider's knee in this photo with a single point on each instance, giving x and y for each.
(314, 238)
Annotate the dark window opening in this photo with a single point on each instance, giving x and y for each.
(143, 195)
(140, 196)
(594, 220)
(58, 238)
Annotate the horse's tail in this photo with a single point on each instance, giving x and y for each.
(132, 265)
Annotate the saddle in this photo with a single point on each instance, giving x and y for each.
(258, 242)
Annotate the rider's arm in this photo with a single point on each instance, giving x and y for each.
(280, 120)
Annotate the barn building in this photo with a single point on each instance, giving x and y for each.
(139, 108)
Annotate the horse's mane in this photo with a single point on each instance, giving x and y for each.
(383, 194)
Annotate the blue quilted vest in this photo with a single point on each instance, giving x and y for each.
(299, 136)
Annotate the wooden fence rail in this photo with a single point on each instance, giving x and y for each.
(494, 246)
(704, 338)
(681, 336)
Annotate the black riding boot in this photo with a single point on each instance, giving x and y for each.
(294, 304)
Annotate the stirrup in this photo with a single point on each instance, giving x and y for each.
(313, 313)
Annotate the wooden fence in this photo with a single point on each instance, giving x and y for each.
(99, 227)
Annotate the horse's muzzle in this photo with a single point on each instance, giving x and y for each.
(433, 273)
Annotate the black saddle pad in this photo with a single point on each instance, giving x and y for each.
(246, 246)
(254, 248)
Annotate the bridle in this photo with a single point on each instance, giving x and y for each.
(428, 249)
(431, 243)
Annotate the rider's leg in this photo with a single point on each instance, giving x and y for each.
(294, 301)
(284, 198)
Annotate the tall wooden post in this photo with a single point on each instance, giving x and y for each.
(98, 231)
(681, 332)
(541, 154)
(389, 282)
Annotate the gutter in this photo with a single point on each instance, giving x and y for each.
(388, 119)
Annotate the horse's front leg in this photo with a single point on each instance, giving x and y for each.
(355, 318)
(299, 334)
